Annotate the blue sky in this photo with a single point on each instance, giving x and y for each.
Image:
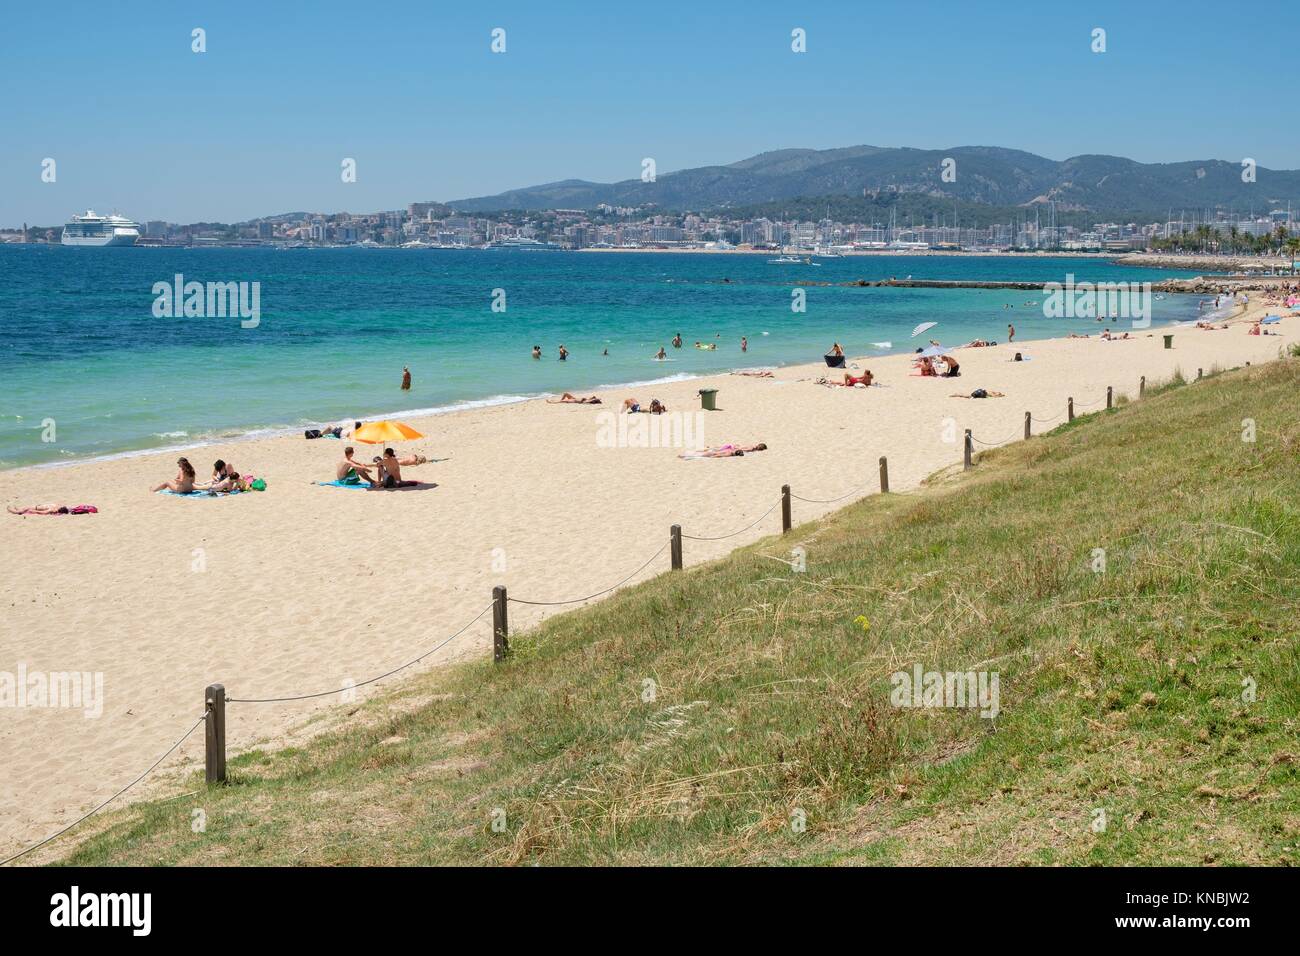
(260, 123)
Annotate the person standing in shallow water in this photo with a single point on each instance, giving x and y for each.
(406, 379)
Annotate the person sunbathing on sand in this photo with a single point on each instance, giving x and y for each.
(980, 393)
(631, 405)
(754, 374)
(53, 509)
(849, 381)
(568, 398)
(183, 483)
(724, 451)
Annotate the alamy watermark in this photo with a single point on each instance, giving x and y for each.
(965, 690)
(650, 430)
(70, 690)
(1098, 300)
(208, 300)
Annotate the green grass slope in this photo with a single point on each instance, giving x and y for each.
(740, 711)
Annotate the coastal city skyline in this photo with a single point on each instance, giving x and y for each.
(444, 115)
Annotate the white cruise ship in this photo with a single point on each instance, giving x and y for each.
(95, 230)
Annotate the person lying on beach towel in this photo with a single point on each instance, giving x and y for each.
(979, 393)
(724, 451)
(350, 471)
(183, 483)
(568, 398)
(54, 510)
(850, 381)
(753, 374)
(656, 407)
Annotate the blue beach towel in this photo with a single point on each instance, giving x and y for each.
(342, 484)
(199, 494)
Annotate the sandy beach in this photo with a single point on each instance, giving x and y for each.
(302, 588)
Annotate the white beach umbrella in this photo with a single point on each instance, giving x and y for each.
(924, 326)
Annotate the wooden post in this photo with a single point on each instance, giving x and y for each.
(1028, 418)
(1069, 411)
(785, 508)
(675, 534)
(500, 625)
(966, 455)
(884, 475)
(1110, 397)
(1142, 386)
(214, 706)
(1199, 372)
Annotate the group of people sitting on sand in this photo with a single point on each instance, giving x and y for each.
(930, 370)
(225, 479)
(387, 469)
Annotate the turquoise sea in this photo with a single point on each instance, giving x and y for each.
(84, 349)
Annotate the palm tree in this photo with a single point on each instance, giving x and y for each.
(1293, 248)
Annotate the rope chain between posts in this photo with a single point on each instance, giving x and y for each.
(340, 690)
(647, 563)
(723, 537)
(87, 816)
(830, 501)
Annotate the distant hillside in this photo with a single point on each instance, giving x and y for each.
(984, 174)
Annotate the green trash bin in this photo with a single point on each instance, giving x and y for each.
(1169, 341)
(709, 399)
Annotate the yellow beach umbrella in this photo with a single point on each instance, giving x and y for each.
(380, 433)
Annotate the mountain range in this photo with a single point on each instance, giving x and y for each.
(985, 175)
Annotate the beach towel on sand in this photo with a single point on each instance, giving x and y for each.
(342, 484)
(200, 493)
